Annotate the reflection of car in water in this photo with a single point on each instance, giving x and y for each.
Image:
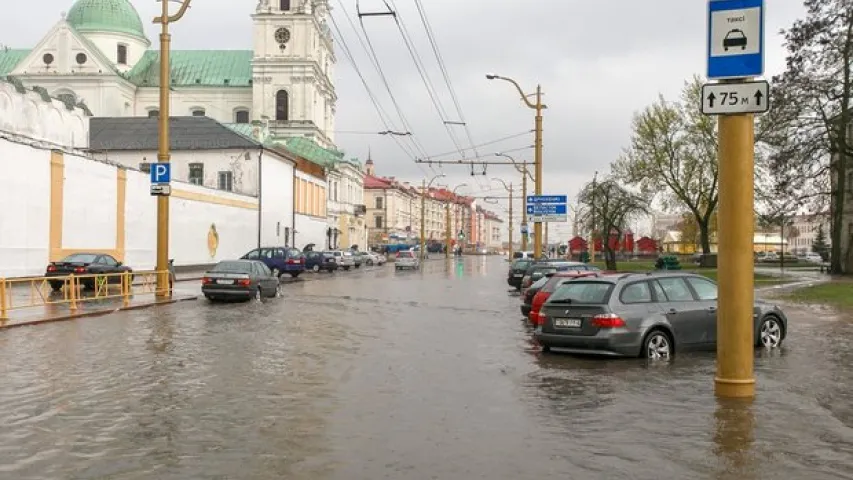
(735, 38)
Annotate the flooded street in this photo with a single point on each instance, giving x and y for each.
(402, 375)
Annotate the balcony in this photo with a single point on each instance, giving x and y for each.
(359, 210)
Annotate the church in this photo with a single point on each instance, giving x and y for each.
(97, 56)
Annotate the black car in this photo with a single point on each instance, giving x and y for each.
(320, 261)
(86, 264)
(516, 272)
(527, 301)
(240, 279)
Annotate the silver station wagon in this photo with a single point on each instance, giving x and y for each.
(649, 315)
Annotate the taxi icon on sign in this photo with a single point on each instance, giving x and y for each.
(735, 38)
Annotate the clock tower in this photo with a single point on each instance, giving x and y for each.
(292, 69)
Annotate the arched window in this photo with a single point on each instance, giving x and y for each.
(198, 112)
(241, 116)
(154, 113)
(282, 106)
(121, 54)
(284, 5)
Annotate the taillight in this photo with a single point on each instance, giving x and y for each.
(206, 280)
(244, 282)
(290, 261)
(51, 268)
(79, 270)
(607, 320)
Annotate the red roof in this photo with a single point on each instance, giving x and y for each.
(371, 182)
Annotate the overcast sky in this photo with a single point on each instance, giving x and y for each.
(597, 62)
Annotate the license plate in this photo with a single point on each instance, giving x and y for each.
(225, 282)
(518, 275)
(567, 322)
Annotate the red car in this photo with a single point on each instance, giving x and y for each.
(554, 281)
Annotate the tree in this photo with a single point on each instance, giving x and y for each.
(607, 208)
(673, 158)
(819, 245)
(807, 130)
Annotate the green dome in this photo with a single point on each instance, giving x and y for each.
(117, 16)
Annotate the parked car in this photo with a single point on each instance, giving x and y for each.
(516, 272)
(279, 260)
(85, 264)
(240, 279)
(538, 270)
(527, 298)
(320, 261)
(651, 315)
(812, 258)
(377, 258)
(358, 258)
(544, 290)
(343, 259)
(407, 259)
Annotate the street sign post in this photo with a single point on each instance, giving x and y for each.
(735, 39)
(161, 189)
(161, 172)
(735, 98)
(547, 208)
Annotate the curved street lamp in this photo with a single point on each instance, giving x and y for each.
(508, 189)
(424, 189)
(447, 231)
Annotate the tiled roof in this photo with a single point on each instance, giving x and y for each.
(185, 133)
(371, 182)
(9, 59)
(199, 68)
(309, 150)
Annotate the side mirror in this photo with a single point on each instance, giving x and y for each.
(119, 264)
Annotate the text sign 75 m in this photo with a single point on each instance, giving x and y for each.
(735, 98)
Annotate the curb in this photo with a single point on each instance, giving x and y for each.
(96, 313)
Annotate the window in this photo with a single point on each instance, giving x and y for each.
(378, 221)
(253, 255)
(379, 203)
(705, 289)
(284, 5)
(335, 191)
(282, 106)
(225, 181)
(145, 167)
(638, 292)
(121, 54)
(241, 116)
(676, 289)
(278, 253)
(595, 293)
(109, 261)
(196, 176)
(154, 113)
(198, 112)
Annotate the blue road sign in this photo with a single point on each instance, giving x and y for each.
(547, 199)
(161, 172)
(547, 209)
(735, 38)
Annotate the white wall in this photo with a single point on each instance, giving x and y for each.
(24, 223)
(28, 114)
(311, 230)
(219, 104)
(89, 204)
(277, 204)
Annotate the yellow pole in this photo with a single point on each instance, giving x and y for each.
(537, 227)
(447, 229)
(74, 285)
(163, 155)
(423, 219)
(3, 314)
(735, 335)
(524, 207)
(125, 288)
(510, 222)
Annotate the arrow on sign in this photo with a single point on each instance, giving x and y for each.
(711, 99)
(758, 97)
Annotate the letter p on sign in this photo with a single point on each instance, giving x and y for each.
(161, 173)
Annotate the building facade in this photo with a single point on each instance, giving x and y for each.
(346, 211)
(801, 237)
(98, 55)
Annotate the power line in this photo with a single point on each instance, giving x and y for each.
(491, 142)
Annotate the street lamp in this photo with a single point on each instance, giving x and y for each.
(524, 175)
(538, 106)
(508, 189)
(163, 155)
(447, 230)
(426, 186)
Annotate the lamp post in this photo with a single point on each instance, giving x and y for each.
(163, 155)
(508, 189)
(522, 169)
(592, 234)
(447, 230)
(426, 186)
(538, 106)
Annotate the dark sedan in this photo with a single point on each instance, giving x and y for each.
(527, 299)
(240, 280)
(320, 261)
(516, 272)
(86, 264)
(647, 315)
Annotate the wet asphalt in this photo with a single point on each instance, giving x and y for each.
(428, 374)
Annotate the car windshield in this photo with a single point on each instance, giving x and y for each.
(591, 293)
(538, 284)
(405, 255)
(233, 267)
(521, 264)
(80, 258)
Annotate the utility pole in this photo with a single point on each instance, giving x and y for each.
(592, 212)
(424, 189)
(163, 155)
(448, 233)
(522, 168)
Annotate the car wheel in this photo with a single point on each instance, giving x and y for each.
(56, 286)
(657, 346)
(770, 333)
(546, 348)
(294, 274)
(346, 268)
(315, 268)
(276, 273)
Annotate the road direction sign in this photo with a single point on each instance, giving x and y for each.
(161, 189)
(735, 98)
(548, 218)
(735, 38)
(547, 199)
(161, 173)
(547, 209)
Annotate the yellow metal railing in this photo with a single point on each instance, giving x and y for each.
(31, 292)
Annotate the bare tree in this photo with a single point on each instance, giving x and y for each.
(607, 208)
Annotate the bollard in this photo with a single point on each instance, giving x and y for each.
(125, 288)
(3, 314)
(72, 286)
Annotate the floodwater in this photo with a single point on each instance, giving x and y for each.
(402, 375)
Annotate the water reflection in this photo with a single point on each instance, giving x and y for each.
(734, 436)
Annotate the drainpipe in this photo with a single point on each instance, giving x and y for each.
(293, 208)
(260, 193)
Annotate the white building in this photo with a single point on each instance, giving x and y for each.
(802, 236)
(97, 55)
(346, 212)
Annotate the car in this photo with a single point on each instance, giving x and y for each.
(516, 272)
(407, 259)
(320, 261)
(86, 264)
(538, 270)
(734, 38)
(527, 298)
(279, 260)
(358, 258)
(240, 279)
(378, 258)
(343, 259)
(651, 315)
(544, 290)
(813, 258)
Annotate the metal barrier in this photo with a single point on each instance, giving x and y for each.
(31, 292)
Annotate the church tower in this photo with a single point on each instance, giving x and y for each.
(292, 69)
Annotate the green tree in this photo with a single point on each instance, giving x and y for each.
(819, 245)
(607, 208)
(673, 158)
(807, 130)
